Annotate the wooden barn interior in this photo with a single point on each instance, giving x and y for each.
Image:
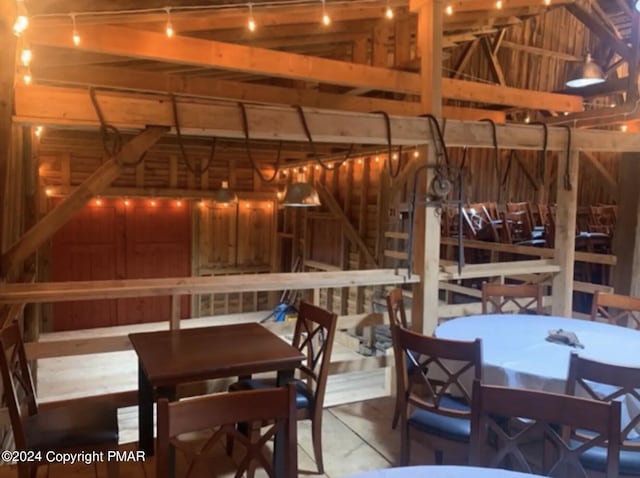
(122, 124)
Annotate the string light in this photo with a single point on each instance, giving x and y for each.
(317, 167)
(76, 35)
(179, 203)
(98, 202)
(389, 12)
(416, 154)
(394, 156)
(169, 27)
(624, 128)
(22, 20)
(26, 78)
(48, 192)
(26, 56)
(202, 204)
(251, 23)
(326, 19)
(547, 2)
(127, 202)
(153, 203)
(449, 10)
(499, 4)
(38, 131)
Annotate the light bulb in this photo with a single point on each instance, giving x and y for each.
(326, 19)
(499, 4)
(20, 25)
(449, 10)
(76, 38)
(547, 2)
(169, 27)
(624, 128)
(416, 154)
(251, 23)
(179, 203)
(38, 131)
(389, 12)
(98, 202)
(127, 202)
(26, 56)
(48, 192)
(27, 78)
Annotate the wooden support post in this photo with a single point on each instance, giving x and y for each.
(91, 187)
(626, 241)
(566, 212)
(7, 73)
(426, 240)
(176, 310)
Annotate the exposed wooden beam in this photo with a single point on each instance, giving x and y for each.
(541, 51)
(608, 181)
(192, 51)
(347, 228)
(600, 30)
(466, 56)
(72, 107)
(92, 186)
(494, 64)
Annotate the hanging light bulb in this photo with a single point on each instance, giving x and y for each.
(547, 2)
(26, 56)
(449, 10)
(76, 35)
(389, 12)
(499, 4)
(251, 23)
(326, 19)
(27, 78)
(38, 131)
(169, 27)
(22, 19)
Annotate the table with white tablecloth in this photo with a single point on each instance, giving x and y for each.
(442, 472)
(515, 352)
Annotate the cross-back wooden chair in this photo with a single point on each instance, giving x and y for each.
(435, 395)
(501, 298)
(219, 413)
(516, 227)
(524, 207)
(78, 427)
(314, 335)
(617, 309)
(606, 382)
(506, 422)
(397, 316)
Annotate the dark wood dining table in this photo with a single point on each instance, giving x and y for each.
(172, 357)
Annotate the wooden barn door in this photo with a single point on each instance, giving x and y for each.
(114, 241)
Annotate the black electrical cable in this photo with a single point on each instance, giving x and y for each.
(387, 122)
(567, 164)
(543, 154)
(502, 177)
(111, 137)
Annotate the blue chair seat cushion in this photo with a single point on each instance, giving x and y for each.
(596, 459)
(451, 428)
(304, 395)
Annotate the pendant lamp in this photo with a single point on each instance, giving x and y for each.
(587, 73)
(301, 194)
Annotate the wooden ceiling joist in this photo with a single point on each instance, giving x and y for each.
(72, 107)
(251, 92)
(260, 61)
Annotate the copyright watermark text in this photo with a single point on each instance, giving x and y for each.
(70, 458)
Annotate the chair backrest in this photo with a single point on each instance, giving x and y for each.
(395, 308)
(616, 309)
(314, 335)
(17, 382)
(606, 382)
(526, 298)
(523, 207)
(516, 227)
(511, 419)
(441, 368)
(220, 413)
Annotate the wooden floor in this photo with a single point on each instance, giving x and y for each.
(356, 437)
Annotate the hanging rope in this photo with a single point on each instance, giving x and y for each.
(247, 145)
(567, 164)
(111, 137)
(183, 154)
(312, 144)
(387, 122)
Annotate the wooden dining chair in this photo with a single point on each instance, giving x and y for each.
(606, 382)
(314, 335)
(510, 298)
(218, 414)
(397, 316)
(435, 396)
(535, 432)
(77, 427)
(616, 309)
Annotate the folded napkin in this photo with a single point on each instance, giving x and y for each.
(564, 337)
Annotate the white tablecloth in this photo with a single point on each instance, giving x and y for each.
(442, 472)
(515, 352)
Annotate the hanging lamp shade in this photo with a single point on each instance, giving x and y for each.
(301, 194)
(587, 73)
(637, 5)
(224, 195)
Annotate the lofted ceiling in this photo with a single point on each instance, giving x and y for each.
(505, 63)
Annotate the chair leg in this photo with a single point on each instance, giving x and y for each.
(404, 444)
(316, 438)
(396, 414)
